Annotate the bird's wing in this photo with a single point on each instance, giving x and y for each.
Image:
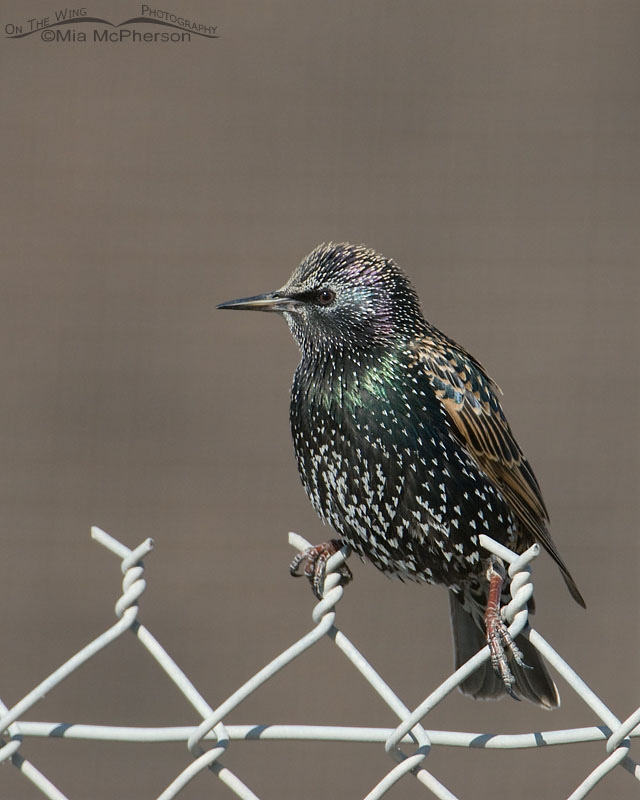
(470, 398)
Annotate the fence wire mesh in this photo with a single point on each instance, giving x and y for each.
(208, 741)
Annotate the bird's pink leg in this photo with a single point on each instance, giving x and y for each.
(498, 637)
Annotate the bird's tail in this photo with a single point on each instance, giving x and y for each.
(532, 682)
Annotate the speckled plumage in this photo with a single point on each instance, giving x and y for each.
(402, 445)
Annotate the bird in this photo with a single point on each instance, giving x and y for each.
(404, 450)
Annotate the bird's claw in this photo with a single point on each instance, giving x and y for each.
(501, 645)
(313, 562)
(500, 641)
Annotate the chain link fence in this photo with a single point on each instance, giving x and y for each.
(408, 745)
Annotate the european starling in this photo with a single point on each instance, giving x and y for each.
(404, 450)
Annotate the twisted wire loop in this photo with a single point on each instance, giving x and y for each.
(133, 585)
(208, 741)
(9, 716)
(323, 617)
(516, 614)
(333, 591)
(618, 745)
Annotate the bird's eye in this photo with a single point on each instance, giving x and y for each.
(325, 297)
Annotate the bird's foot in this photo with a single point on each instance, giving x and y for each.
(500, 641)
(313, 562)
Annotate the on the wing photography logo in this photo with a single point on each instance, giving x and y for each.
(152, 25)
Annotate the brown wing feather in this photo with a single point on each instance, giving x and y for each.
(470, 398)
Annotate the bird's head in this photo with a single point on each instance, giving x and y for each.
(343, 297)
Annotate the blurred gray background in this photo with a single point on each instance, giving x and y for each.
(492, 149)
